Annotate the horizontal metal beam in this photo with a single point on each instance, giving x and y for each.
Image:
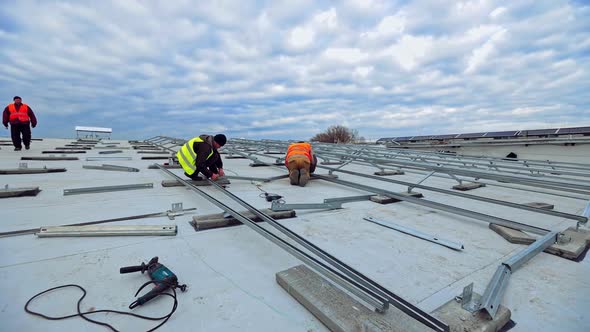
(463, 195)
(106, 167)
(278, 206)
(417, 233)
(92, 190)
(440, 206)
(112, 230)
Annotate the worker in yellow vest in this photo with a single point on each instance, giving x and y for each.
(200, 155)
(301, 162)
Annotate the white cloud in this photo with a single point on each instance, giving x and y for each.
(497, 12)
(480, 55)
(389, 26)
(345, 55)
(409, 51)
(301, 37)
(255, 69)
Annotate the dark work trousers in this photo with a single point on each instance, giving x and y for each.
(16, 130)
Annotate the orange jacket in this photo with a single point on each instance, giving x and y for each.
(21, 114)
(299, 149)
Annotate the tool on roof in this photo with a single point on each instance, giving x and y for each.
(160, 276)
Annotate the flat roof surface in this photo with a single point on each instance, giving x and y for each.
(231, 271)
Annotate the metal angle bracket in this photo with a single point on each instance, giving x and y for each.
(23, 165)
(469, 300)
(90, 190)
(175, 211)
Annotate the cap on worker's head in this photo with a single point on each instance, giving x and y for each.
(220, 139)
(15, 98)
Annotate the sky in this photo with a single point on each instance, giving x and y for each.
(290, 69)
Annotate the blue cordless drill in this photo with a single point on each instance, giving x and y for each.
(160, 276)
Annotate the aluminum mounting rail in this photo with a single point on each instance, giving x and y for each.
(416, 233)
(112, 230)
(440, 206)
(348, 278)
(462, 195)
(93, 190)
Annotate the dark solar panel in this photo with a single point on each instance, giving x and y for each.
(471, 135)
(444, 136)
(575, 130)
(535, 132)
(418, 138)
(502, 134)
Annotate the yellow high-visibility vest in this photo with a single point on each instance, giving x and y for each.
(187, 157)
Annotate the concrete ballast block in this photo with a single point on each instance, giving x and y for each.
(469, 186)
(338, 310)
(390, 172)
(540, 205)
(461, 320)
(218, 220)
(387, 200)
(574, 245)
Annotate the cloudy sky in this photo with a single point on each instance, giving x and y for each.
(289, 69)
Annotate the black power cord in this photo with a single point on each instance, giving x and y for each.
(83, 315)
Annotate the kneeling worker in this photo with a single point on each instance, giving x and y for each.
(200, 155)
(301, 162)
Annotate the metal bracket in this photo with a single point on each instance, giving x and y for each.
(23, 165)
(470, 301)
(176, 210)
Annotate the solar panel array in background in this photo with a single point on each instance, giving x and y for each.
(495, 134)
(502, 134)
(575, 130)
(471, 135)
(535, 132)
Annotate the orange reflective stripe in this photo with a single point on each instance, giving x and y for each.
(299, 149)
(22, 114)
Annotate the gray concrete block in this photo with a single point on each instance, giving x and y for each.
(31, 170)
(385, 173)
(217, 220)
(176, 183)
(18, 192)
(331, 163)
(331, 176)
(461, 320)
(255, 164)
(387, 200)
(338, 310)
(575, 241)
(540, 205)
(468, 186)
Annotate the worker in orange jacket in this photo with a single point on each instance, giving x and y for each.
(301, 162)
(21, 118)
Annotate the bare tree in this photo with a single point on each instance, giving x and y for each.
(336, 134)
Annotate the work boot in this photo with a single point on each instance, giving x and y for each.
(17, 149)
(304, 177)
(27, 147)
(294, 176)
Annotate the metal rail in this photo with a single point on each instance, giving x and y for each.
(346, 277)
(463, 195)
(440, 206)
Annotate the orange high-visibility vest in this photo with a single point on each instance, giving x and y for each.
(22, 114)
(299, 149)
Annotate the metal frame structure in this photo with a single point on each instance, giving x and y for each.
(345, 276)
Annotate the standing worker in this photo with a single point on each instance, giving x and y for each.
(200, 155)
(20, 116)
(301, 162)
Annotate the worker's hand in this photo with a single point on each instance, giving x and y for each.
(34, 126)
(214, 177)
(221, 172)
